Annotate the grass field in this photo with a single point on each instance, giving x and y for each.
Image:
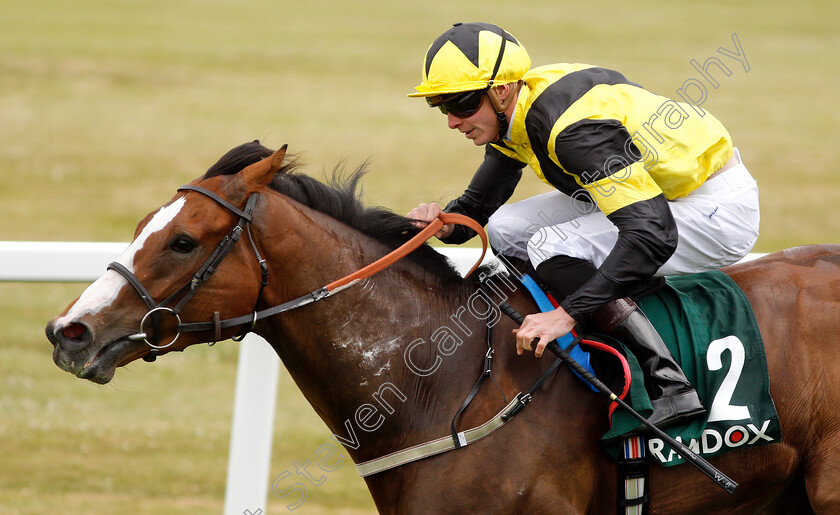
(107, 106)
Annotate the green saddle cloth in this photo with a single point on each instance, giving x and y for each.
(709, 326)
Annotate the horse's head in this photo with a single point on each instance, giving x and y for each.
(135, 308)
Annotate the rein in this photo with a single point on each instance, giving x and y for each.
(248, 321)
(455, 440)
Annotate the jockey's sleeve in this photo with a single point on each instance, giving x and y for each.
(604, 160)
(491, 186)
(647, 237)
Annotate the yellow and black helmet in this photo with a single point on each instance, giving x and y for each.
(472, 56)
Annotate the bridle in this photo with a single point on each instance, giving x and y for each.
(247, 322)
(205, 271)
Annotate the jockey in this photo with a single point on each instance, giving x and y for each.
(645, 187)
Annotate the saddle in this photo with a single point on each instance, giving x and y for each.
(709, 326)
(710, 329)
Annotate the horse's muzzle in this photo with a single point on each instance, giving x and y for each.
(76, 350)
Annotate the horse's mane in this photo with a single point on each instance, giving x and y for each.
(340, 198)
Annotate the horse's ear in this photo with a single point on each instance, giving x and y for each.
(260, 173)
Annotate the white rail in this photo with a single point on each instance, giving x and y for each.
(249, 459)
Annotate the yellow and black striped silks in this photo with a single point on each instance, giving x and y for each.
(584, 127)
(598, 137)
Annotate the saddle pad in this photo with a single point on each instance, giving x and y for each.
(545, 305)
(709, 326)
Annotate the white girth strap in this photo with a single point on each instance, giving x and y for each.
(440, 445)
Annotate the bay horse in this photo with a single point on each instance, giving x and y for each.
(348, 352)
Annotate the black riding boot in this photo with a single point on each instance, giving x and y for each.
(674, 399)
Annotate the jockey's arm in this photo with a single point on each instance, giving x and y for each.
(647, 237)
(491, 186)
(598, 154)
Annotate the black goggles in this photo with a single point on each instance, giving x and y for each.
(460, 105)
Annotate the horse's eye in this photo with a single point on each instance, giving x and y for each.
(182, 245)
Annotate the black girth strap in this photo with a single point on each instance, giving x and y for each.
(633, 476)
(522, 398)
(487, 372)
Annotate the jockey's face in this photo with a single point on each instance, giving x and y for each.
(482, 127)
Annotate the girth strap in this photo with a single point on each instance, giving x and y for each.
(487, 372)
(522, 399)
(448, 443)
(456, 439)
(633, 470)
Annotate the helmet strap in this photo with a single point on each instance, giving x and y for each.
(503, 125)
(500, 106)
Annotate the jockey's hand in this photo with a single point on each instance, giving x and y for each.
(428, 213)
(543, 326)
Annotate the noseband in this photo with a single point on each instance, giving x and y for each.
(206, 270)
(248, 322)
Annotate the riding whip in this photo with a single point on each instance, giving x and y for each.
(690, 456)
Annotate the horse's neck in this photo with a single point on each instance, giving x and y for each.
(372, 359)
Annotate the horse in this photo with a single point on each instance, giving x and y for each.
(387, 363)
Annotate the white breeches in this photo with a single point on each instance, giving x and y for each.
(717, 224)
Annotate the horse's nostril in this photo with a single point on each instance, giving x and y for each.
(72, 337)
(74, 331)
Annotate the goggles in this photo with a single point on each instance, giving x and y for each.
(460, 105)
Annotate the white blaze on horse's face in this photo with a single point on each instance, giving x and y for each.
(104, 290)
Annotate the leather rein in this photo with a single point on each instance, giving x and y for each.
(455, 440)
(247, 322)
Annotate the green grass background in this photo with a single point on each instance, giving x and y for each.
(107, 106)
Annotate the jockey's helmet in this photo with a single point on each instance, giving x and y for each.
(469, 57)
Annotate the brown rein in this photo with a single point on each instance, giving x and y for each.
(250, 320)
(411, 245)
